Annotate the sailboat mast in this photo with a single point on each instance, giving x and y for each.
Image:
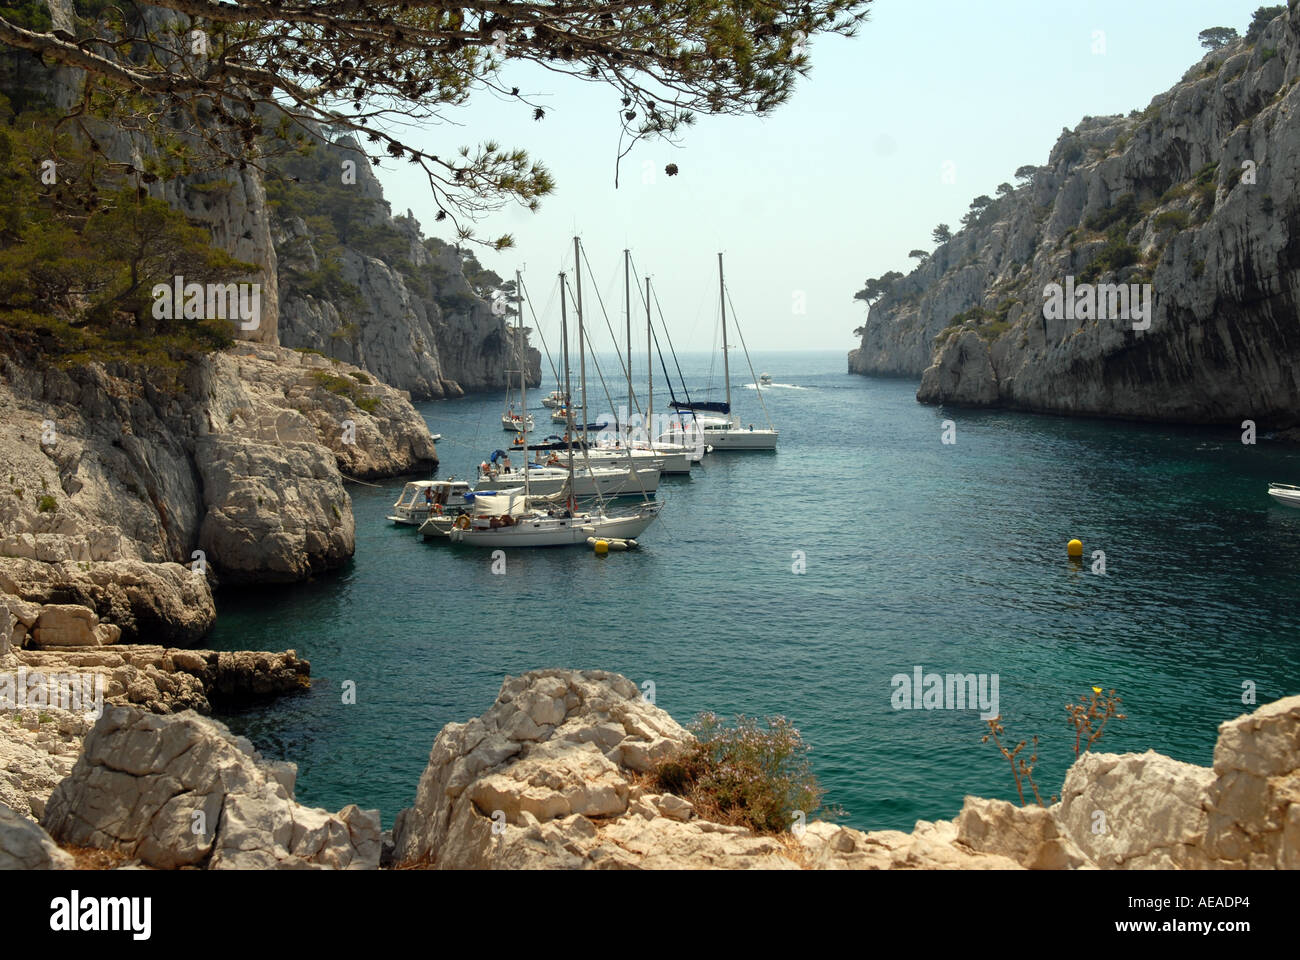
(582, 353)
(627, 295)
(523, 376)
(649, 371)
(726, 366)
(568, 406)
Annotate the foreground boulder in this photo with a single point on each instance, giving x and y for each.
(553, 775)
(182, 791)
(25, 846)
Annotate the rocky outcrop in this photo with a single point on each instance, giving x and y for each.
(1195, 196)
(25, 846)
(553, 776)
(50, 699)
(132, 492)
(411, 316)
(412, 320)
(38, 747)
(182, 791)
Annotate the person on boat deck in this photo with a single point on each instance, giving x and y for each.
(428, 496)
(483, 468)
(751, 428)
(505, 463)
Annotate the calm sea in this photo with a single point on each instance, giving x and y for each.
(948, 557)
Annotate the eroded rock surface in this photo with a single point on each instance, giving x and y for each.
(182, 791)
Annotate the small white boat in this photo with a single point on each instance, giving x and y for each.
(1285, 493)
(508, 521)
(516, 423)
(421, 498)
(553, 400)
(765, 379)
(561, 414)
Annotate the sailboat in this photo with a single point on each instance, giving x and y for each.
(514, 520)
(520, 422)
(725, 432)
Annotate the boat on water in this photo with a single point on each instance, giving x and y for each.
(515, 422)
(1285, 493)
(515, 520)
(598, 478)
(765, 379)
(554, 400)
(524, 519)
(421, 498)
(719, 426)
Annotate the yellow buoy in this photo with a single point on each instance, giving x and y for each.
(601, 546)
(1075, 549)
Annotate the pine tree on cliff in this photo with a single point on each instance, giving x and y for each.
(379, 69)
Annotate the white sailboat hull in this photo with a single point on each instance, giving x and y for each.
(740, 438)
(544, 531)
(598, 481)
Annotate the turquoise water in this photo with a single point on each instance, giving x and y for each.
(950, 557)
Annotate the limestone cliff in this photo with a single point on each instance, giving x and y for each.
(401, 308)
(131, 491)
(1195, 196)
(361, 285)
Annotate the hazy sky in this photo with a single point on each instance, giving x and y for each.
(836, 186)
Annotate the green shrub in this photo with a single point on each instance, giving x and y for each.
(46, 504)
(1171, 220)
(343, 387)
(752, 774)
(1124, 213)
(1115, 255)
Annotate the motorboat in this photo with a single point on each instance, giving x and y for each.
(420, 498)
(765, 379)
(1285, 493)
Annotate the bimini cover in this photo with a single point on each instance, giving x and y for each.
(499, 504)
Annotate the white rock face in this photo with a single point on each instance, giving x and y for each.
(113, 482)
(1254, 804)
(415, 321)
(181, 790)
(1212, 167)
(38, 748)
(549, 777)
(25, 846)
(963, 372)
(1136, 811)
(1028, 835)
